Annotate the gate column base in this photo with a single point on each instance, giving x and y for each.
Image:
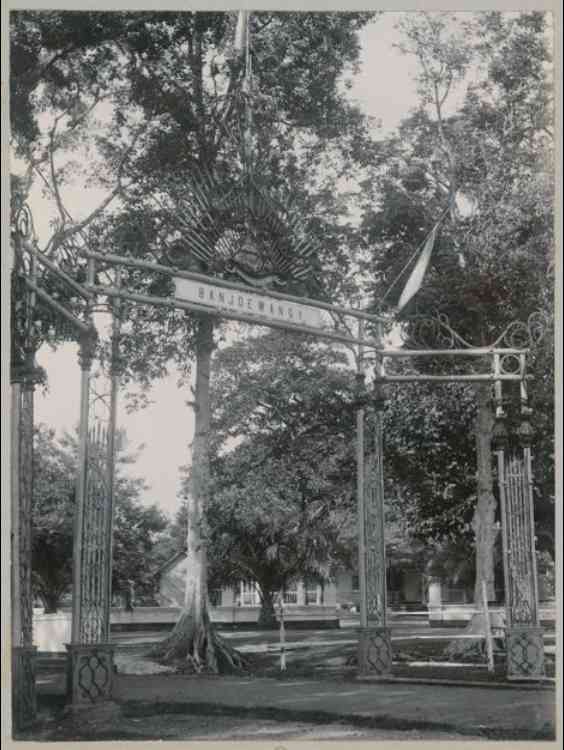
(90, 672)
(374, 651)
(24, 699)
(525, 653)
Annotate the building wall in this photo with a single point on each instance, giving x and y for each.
(408, 588)
(300, 594)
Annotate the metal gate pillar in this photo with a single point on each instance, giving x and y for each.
(374, 645)
(24, 374)
(24, 706)
(90, 656)
(524, 638)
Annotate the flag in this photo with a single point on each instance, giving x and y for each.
(416, 277)
(241, 33)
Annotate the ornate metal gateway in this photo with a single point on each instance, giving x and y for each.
(90, 655)
(241, 239)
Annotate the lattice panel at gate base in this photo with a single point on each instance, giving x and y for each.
(525, 654)
(90, 673)
(375, 651)
(24, 702)
(94, 593)
(519, 525)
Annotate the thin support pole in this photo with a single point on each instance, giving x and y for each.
(487, 626)
(502, 483)
(111, 448)
(379, 513)
(282, 634)
(85, 357)
(81, 480)
(361, 500)
(527, 461)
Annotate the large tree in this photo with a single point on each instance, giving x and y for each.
(178, 96)
(486, 161)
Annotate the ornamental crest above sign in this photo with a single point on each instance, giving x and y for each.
(240, 231)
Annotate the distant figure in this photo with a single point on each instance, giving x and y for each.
(129, 596)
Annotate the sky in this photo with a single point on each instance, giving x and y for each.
(384, 88)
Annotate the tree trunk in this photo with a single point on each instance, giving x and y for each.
(193, 644)
(483, 523)
(485, 534)
(50, 602)
(267, 619)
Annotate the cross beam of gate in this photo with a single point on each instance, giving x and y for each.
(225, 299)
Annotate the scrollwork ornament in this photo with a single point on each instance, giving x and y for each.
(509, 364)
(516, 336)
(523, 335)
(538, 323)
(435, 332)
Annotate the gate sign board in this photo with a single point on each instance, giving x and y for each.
(263, 307)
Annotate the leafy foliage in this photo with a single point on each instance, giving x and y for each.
(52, 514)
(431, 458)
(487, 162)
(282, 463)
(136, 526)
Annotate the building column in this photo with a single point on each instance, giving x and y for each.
(524, 638)
(375, 644)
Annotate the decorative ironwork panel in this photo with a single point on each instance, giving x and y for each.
(521, 595)
(435, 332)
(23, 653)
(90, 674)
(25, 514)
(375, 651)
(374, 532)
(525, 653)
(524, 641)
(94, 600)
(239, 229)
(24, 702)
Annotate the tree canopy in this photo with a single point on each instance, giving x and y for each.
(476, 151)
